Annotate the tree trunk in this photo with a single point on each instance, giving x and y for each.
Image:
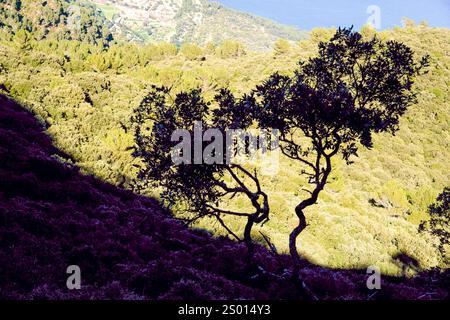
(248, 235)
(320, 184)
(295, 256)
(295, 233)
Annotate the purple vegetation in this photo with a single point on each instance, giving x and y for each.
(129, 247)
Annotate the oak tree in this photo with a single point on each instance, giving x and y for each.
(334, 103)
(195, 185)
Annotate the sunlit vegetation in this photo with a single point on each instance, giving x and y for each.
(84, 89)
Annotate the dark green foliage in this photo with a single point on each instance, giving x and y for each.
(439, 223)
(92, 27)
(56, 19)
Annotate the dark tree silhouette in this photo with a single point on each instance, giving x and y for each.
(406, 262)
(334, 103)
(198, 188)
(439, 223)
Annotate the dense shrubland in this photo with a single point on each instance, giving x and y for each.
(84, 94)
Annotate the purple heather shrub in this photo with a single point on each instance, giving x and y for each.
(129, 247)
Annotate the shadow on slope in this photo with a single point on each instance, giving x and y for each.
(128, 247)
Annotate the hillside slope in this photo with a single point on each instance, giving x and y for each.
(195, 21)
(369, 212)
(127, 247)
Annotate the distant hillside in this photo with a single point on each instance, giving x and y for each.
(142, 21)
(54, 19)
(128, 247)
(196, 21)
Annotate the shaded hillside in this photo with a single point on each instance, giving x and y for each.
(127, 247)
